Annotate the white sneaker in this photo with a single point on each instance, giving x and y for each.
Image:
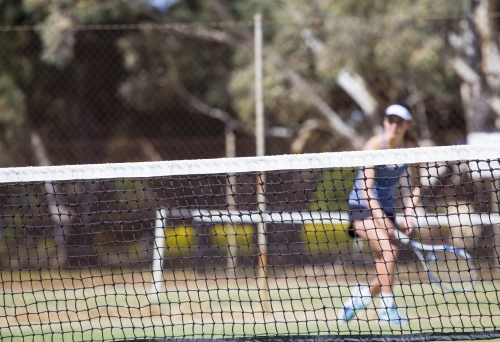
(391, 316)
(350, 308)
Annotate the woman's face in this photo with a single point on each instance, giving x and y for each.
(394, 126)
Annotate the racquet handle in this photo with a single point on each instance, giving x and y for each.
(402, 236)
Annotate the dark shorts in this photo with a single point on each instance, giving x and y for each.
(361, 213)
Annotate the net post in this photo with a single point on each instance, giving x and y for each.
(157, 260)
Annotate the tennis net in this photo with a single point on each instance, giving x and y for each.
(256, 248)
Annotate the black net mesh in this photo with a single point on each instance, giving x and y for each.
(204, 257)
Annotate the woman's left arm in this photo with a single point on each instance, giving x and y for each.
(413, 202)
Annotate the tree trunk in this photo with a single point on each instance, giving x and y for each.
(332, 118)
(475, 73)
(60, 216)
(354, 85)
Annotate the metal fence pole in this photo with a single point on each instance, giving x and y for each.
(260, 151)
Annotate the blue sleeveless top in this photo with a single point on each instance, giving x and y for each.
(386, 180)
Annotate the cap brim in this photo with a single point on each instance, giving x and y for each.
(400, 111)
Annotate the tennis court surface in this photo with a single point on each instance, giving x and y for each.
(249, 249)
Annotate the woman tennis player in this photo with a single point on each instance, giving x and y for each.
(372, 203)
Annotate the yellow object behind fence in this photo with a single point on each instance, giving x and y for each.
(324, 238)
(180, 240)
(318, 238)
(243, 236)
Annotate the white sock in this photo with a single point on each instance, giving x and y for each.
(387, 300)
(362, 293)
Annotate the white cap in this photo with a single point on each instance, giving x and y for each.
(400, 111)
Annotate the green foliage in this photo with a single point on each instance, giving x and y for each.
(36, 10)
(58, 39)
(392, 44)
(103, 12)
(157, 62)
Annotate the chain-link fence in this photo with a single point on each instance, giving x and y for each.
(115, 100)
(103, 94)
(136, 93)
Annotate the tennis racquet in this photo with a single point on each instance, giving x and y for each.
(453, 269)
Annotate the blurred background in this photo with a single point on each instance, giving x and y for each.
(99, 81)
(104, 81)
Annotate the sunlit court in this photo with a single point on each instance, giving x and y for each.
(107, 304)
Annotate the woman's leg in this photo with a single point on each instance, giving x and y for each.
(385, 260)
(379, 239)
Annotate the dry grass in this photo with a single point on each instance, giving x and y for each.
(106, 304)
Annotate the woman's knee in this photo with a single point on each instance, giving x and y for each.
(387, 251)
(390, 255)
(382, 244)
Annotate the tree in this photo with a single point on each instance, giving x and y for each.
(388, 52)
(477, 63)
(330, 69)
(36, 107)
